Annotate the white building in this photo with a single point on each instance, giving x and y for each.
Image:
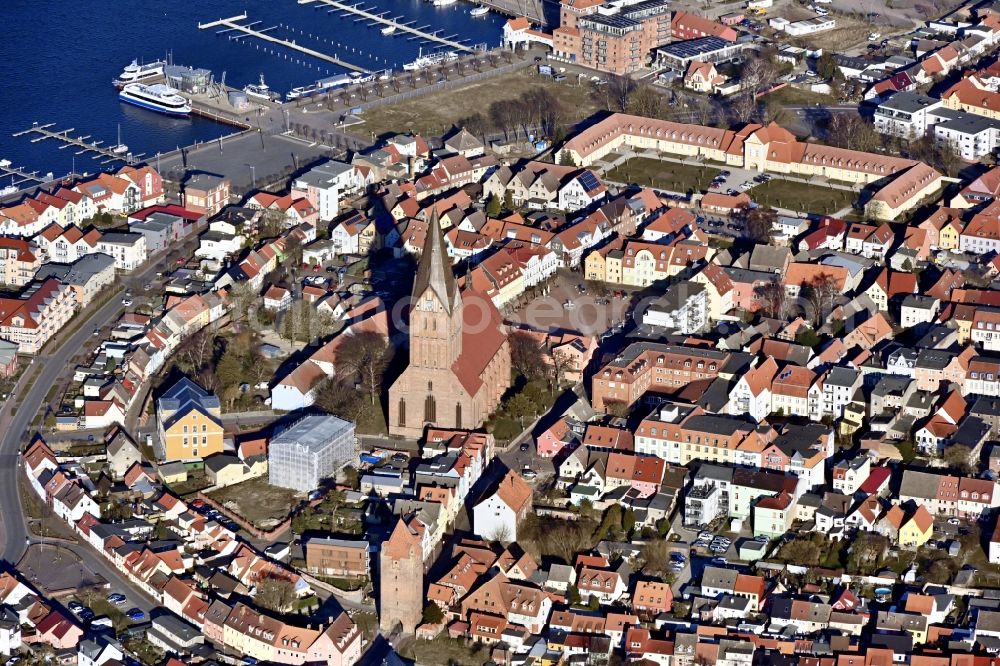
(683, 308)
(497, 516)
(905, 114)
(128, 249)
(326, 184)
(314, 448)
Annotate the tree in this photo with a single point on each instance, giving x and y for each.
(293, 250)
(647, 102)
(850, 130)
(573, 595)
(821, 292)
(771, 296)
(612, 520)
(655, 556)
(493, 205)
(759, 223)
(957, 457)
(826, 67)
(526, 355)
(594, 602)
(628, 521)
(365, 355)
(275, 594)
(866, 552)
(432, 614)
(617, 92)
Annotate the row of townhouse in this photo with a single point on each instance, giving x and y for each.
(71, 203)
(68, 244)
(506, 274)
(161, 573)
(541, 186)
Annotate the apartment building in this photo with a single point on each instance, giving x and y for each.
(647, 367)
(611, 38)
(36, 314)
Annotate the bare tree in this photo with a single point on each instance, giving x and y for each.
(759, 223)
(617, 90)
(771, 297)
(821, 293)
(366, 356)
(276, 594)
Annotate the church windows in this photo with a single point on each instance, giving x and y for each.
(430, 410)
(402, 413)
(458, 415)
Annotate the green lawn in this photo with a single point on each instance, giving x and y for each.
(802, 197)
(663, 175)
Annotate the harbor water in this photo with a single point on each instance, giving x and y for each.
(59, 63)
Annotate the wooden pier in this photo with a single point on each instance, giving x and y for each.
(232, 23)
(81, 143)
(402, 27)
(15, 172)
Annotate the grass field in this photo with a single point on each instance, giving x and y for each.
(802, 197)
(435, 113)
(257, 500)
(445, 650)
(663, 175)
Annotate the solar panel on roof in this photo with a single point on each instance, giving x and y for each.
(589, 181)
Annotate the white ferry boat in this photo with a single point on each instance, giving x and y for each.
(261, 91)
(481, 10)
(136, 73)
(157, 97)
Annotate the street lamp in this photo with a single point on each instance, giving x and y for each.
(253, 175)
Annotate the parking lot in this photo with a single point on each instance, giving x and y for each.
(573, 306)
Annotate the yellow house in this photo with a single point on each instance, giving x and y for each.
(593, 266)
(854, 416)
(918, 530)
(718, 288)
(225, 470)
(189, 422)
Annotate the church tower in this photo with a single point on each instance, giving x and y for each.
(436, 311)
(401, 580)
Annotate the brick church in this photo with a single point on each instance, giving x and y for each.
(459, 356)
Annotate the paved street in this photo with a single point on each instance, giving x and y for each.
(15, 423)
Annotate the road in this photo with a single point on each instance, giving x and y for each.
(15, 424)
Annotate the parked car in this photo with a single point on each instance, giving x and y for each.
(135, 614)
(117, 598)
(525, 446)
(103, 621)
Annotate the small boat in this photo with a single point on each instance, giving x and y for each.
(481, 10)
(157, 97)
(388, 30)
(261, 91)
(119, 148)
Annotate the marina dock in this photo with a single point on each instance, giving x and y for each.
(6, 169)
(402, 27)
(81, 143)
(232, 23)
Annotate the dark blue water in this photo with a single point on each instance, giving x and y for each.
(59, 59)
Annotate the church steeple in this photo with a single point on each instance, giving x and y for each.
(436, 316)
(434, 271)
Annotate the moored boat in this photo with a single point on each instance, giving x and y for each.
(157, 97)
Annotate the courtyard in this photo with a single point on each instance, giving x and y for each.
(661, 175)
(802, 197)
